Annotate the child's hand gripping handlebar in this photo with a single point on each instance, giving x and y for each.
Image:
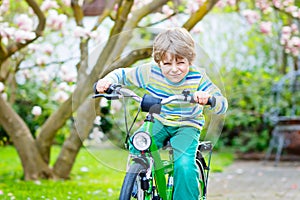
(147, 101)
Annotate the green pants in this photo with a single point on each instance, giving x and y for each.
(184, 141)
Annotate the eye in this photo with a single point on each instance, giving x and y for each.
(167, 63)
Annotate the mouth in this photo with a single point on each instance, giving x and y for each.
(175, 75)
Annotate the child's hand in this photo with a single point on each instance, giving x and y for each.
(102, 85)
(201, 97)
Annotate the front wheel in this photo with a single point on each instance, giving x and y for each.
(131, 188)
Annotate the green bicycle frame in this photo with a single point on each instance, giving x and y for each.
(159, 167)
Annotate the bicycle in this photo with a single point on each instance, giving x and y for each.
(150, 177)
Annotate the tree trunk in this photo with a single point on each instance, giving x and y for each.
(33, 165)
(80, 131)
(51, 126)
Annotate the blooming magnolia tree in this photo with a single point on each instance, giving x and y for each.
(274, 18)
(28, 51)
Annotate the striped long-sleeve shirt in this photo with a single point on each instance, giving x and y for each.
(150, 77)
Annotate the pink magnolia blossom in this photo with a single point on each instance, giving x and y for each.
(72, 88)
(65, 69)
(291, 9)
(63, 86)
(48, 49)
(295, 41)
(192, 6)
(94, 35)
(2, 87)
(6, 31)
(26, 73)
(141, 3)
(45, 77)
(80, 32)
(24, 22)
(295, 51)
(21, 36)
(36, 110)
(231, 2)
(287, 33)
(264, 5)
(67, 2)
(284, 39)
(287, 2)
(33, 47)
(49, 4)
(221, 4)
(4, 6)
(201, 2)
(61, 96)
(42, 60)
(197, 29)
(69, 77)
(68, 73)
(251, 16)
(167, 10)
(286, 30)
(266, 27)
(277, 3)
(56, 21)
(292, 45)
(294, 28)
(116, 7)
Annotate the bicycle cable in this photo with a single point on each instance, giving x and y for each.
(126, 125)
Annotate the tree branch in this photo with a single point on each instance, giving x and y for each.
(3, 51)
(160, 21)
(78, 13)
(199, 14)
(122, 16)
(130, 59)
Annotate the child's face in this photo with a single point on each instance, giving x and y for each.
(173, 67)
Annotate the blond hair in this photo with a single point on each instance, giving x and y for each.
(176, 41)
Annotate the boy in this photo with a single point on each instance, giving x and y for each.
(172, 72)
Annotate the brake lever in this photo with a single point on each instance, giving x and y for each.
(113, 87)
(107, 96)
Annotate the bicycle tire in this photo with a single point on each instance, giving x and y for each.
(202, 179)
(131, 180)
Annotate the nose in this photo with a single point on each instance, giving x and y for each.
(174, 68)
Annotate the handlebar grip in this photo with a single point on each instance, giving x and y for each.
(107, 96)
(192, 100)
(94, 88)
(211, 101)
(110, 89)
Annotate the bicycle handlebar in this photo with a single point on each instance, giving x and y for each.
(117, 92)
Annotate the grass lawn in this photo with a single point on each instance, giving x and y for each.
(97, 174)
